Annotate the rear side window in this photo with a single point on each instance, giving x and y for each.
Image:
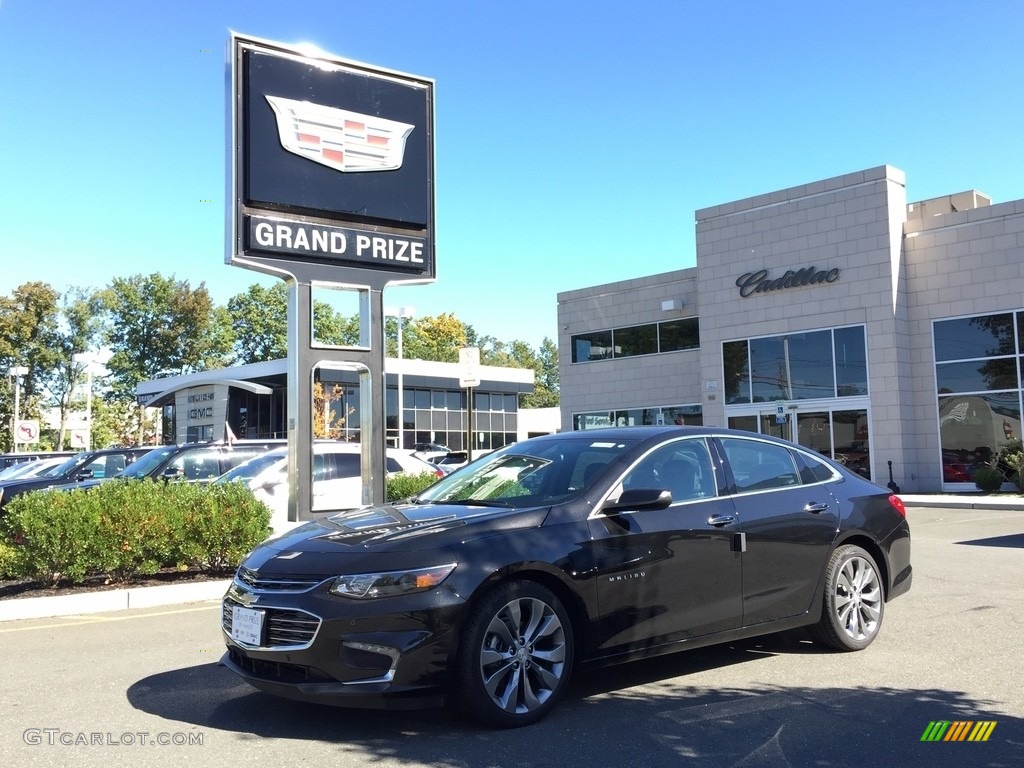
(814, 471)
(757, 466)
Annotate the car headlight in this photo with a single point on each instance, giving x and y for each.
(368, 586)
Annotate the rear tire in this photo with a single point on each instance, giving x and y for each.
(854, 601)
(516, 658)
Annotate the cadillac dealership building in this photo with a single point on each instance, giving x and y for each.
(835, 314)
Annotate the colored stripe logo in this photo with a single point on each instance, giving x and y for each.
(958, 730)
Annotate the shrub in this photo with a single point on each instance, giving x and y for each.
(56, 536)
(403, 486)
(988, 479)
(8, 561)
(129, 528)
(1011, 458)
(217, 525)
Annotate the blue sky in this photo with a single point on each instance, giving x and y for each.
(574, 140)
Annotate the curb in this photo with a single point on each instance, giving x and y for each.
(111, 600)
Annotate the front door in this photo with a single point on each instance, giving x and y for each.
(841, 433)
(670, 574)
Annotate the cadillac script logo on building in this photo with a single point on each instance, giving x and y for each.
(338, 138)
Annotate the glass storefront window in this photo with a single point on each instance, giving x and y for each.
(688, 415)
(969, 338)
(973, 429)
(678, 334)
(811, 365)
(650, 339)
(736, 362)
(852, 446)
(850, 355)
(591, 346)
(768, 376)
(976, 376)
(637, 340)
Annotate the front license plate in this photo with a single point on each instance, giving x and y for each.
(246, 625)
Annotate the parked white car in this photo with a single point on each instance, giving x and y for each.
(337, 480)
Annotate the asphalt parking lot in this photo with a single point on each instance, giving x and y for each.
(143, 687)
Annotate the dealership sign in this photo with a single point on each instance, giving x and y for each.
(332, 165)
(761, 280)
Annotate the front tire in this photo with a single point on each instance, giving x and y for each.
(854, 601)
(516, 657)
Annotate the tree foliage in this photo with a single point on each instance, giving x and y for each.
(259, 324)
(438, 338)
(159, 326)
(259, 320)
(153, 326)
(28, 338)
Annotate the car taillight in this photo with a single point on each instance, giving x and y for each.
(898, 505)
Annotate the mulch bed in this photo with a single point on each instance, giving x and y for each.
(101, 582)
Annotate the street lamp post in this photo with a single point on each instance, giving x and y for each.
(400, 313)
(17, 372)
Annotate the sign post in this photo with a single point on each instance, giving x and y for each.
(331, 184)
(469, 377)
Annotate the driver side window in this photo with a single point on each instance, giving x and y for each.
(682, 468)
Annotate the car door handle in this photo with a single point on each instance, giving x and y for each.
(720, 520)
(815, 508)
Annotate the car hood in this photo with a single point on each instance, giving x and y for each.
(402, 528)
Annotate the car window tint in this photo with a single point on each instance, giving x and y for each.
(812, 470)
(346, 465)
(758, 465)
(683, 468)
(200, 465)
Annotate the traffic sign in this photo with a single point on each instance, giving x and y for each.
(469, 367)
(27, 431)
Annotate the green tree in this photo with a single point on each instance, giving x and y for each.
(78, 334)
(28, 333)
(157, 326)
(437, 338)
(545, 392)
(259, 319)
(332, 327)
(259, 322)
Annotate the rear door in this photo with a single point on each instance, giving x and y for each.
(788, 523)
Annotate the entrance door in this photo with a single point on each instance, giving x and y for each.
(840, 434)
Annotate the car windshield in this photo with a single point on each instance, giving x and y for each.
(528, 473)
(147, 462)
(73, 463)
(247, 470)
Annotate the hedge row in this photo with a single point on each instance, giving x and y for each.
(132, 528)
(127, 529)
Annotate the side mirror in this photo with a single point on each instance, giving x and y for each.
(173, 473)
(85, 474)
(638, 499)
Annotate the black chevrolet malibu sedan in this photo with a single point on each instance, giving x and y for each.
(581, 548)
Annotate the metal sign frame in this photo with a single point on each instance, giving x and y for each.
(345, 226)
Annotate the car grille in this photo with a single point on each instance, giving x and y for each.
(283, 628)
(275, 670)
(257, 583)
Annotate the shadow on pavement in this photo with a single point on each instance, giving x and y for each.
(609, 720)
(1015, 540)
